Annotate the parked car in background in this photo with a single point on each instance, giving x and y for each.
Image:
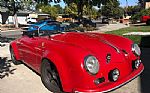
(71, 26)
(31, 20)
(49, 25)
(105, 20)
(86, 22)
(145, 19)
(78, 62)
(41, 23)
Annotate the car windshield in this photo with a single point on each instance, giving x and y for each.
(49, 29)
(40, 22)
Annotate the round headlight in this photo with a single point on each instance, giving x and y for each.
(91, 64)
(136, 49)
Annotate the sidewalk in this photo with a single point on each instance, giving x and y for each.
(111, 27)
(4, 51)
(17, 79)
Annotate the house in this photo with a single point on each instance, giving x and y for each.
(9, 19)
(147, 5)
(22, 16)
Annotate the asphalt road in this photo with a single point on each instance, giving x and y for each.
(101, 27)
(11, 34)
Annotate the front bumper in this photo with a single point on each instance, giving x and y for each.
(113, 85)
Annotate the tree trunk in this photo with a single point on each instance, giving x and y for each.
(5, 16)
(80, 10)
(16, 21)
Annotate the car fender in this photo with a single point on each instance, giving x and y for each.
(56, 60)
(13, 45)
(68, 65)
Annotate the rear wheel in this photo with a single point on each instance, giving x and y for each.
(50, 77)
(13, 57)
(148, 22)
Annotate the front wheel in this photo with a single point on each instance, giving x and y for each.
(50, 77)
(13, 58)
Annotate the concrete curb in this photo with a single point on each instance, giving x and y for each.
(10, 30)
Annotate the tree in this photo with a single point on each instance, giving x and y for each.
(13, 7)
(131, 10)
(92, 13)
(46, 2)
(71, 9)
(80, 3)
(138, 15)
(112, 9)
(52, 10)
(142, 3)
(59, 8)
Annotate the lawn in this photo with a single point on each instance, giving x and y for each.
(136, 39)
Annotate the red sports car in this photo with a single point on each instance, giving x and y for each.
(78, 61)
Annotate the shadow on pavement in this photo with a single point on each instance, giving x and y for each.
(5, 39)
(145, 76)
(5, 68)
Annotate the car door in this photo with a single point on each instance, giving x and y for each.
(20, 47)
(39, 51)
(29, 47)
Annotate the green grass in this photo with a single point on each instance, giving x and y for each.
(136, 39)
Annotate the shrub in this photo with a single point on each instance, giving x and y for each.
(137, 16)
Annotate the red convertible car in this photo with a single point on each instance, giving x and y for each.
(78, 61)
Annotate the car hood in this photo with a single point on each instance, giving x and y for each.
(96, 44)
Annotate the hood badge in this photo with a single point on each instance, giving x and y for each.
(108, 58)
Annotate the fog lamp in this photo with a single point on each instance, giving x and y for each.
(114, 75)
(136, 64)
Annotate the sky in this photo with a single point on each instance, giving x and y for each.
(130, 2)
(122, 3)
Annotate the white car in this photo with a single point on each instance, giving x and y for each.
(31, 20)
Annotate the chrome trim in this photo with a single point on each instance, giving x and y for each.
(106, 42)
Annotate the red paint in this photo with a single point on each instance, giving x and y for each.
(67, 51)
(145, 18)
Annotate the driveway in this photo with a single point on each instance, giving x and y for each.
(17, 79)
(21, 79)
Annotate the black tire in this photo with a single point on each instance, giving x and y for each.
(13, 58)
(148, 22)
(50, 77)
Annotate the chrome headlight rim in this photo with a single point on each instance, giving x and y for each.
(136, 49)
(96, 65)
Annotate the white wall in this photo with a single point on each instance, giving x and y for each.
(10, 20)
(22, 20)
(0, 19)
